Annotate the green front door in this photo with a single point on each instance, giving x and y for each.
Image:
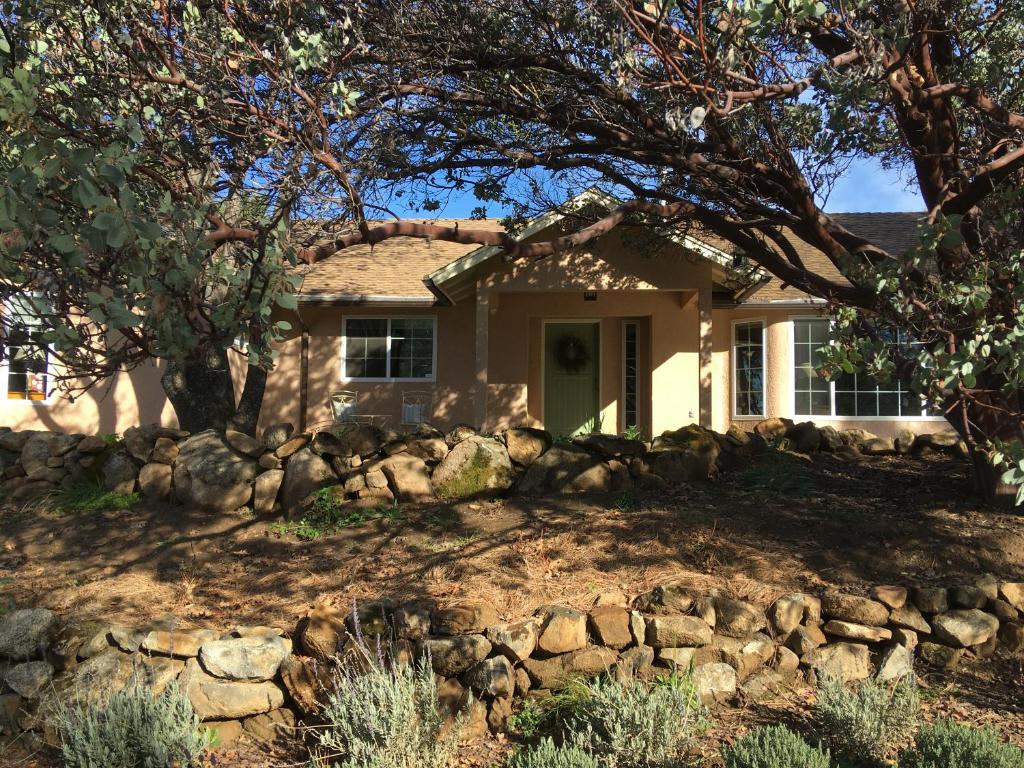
(571, 367)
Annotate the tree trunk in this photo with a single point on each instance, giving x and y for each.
(247, 414)
(990, 417)
(201, 391)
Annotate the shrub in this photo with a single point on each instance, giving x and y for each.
(947, 744)
(328, 513)
(867, 724)
(132, 730)
(92, 497)
(547, 754)
(773, 747)
(385, 718)
(633, 725)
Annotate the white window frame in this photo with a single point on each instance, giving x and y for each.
(388, 378)
(764, 367)
(5, 371)
(793, 319)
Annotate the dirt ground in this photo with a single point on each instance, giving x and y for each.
(791, 523)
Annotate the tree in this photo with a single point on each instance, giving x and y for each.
(132, 228)
(734, 116)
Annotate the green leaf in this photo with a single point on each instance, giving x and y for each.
(287, 301)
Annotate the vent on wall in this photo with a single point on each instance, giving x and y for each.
(590, 295)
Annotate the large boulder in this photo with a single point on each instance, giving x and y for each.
(210, 474)
(155, 481)
(735, 618)
(804, 437)
(610, 446)
(217, 699)
(685, 455)
(859, 610)
(847, 661)
(276, 435)
(408, 477)
(565, 468)
(120, 472)
(139, 441)
(475, 466)
(265, 491)
(454, 655)
(431, 449)
(26, 632)
(36, 453)
(467, 617)
(305, 473)
(29, 678)
(526, 444)
(962, 629)
(245, 658)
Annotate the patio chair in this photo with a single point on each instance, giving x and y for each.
(344, 406)
(416, 406)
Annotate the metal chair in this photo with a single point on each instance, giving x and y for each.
(344, 406)
(416, 405)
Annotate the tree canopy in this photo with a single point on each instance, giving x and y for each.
(736, 116)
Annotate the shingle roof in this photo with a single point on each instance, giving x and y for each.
(895, 232)
(392, 268)
(395, 268)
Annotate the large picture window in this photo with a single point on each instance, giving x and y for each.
(748, 368)
(854, 395)
(388, 348)
(26, 361)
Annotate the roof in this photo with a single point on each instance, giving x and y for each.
(406, 270)
(390, 271)
(895, 232)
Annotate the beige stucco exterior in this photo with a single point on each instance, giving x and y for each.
(489, 351)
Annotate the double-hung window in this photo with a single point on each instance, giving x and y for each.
(26, 361)
(856, 395)
(748, 368)
(395, 348)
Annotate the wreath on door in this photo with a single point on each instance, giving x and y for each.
(571, 353)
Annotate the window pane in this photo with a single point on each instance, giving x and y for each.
(888, 404)
(366, 347)
(748, 368)
(867, 403)
(845, 404)
(412, 348)
(821, 403)
(803, 403)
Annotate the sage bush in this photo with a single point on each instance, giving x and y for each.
(633, 724)
(132, 729)
(384, 716)
(547, 754)
(773, 747)
(869, 722)
(947, 744)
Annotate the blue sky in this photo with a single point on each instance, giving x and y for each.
(865, 187)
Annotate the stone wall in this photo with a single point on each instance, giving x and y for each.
(279, 470)
(262, 681)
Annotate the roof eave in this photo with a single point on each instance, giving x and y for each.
(362, 299)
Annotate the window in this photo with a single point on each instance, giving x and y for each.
(854, 395)
(26, 369)
(629, 368)
(388, 348)
(748, 368)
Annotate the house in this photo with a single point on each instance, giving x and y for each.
(640, 328)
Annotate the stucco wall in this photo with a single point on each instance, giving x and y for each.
(779, 376)
(452, 390)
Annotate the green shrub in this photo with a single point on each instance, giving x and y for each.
(547, 754)
(631, 724)
(947, 744)
(328, 513)
(133, 730)
(381, 717)
(869, 723)
(773, 747)
(91, 497)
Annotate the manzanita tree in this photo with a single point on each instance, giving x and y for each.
(735, 116)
